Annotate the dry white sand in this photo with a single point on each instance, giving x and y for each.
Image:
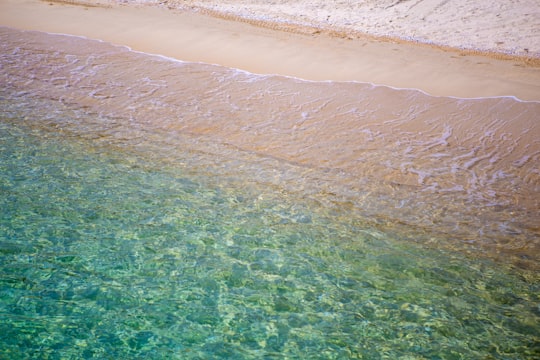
(507, 26)
(195, 36)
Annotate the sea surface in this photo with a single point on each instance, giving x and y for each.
(159, 209)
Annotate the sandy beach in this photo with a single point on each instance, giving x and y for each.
(340, 110)
(508, 27)
(218, 35)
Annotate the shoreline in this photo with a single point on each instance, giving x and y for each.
(362, 135)
(207, 38)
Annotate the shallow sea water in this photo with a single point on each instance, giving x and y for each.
(135, 241)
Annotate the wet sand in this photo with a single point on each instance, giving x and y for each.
(196, 37)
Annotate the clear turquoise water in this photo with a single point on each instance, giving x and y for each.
(110, 251)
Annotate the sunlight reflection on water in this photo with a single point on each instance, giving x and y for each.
(106, 252)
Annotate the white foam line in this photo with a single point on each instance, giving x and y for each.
(335, 81)
(513, 97)
(287, 76)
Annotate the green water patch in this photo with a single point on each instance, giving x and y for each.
(107, 255)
